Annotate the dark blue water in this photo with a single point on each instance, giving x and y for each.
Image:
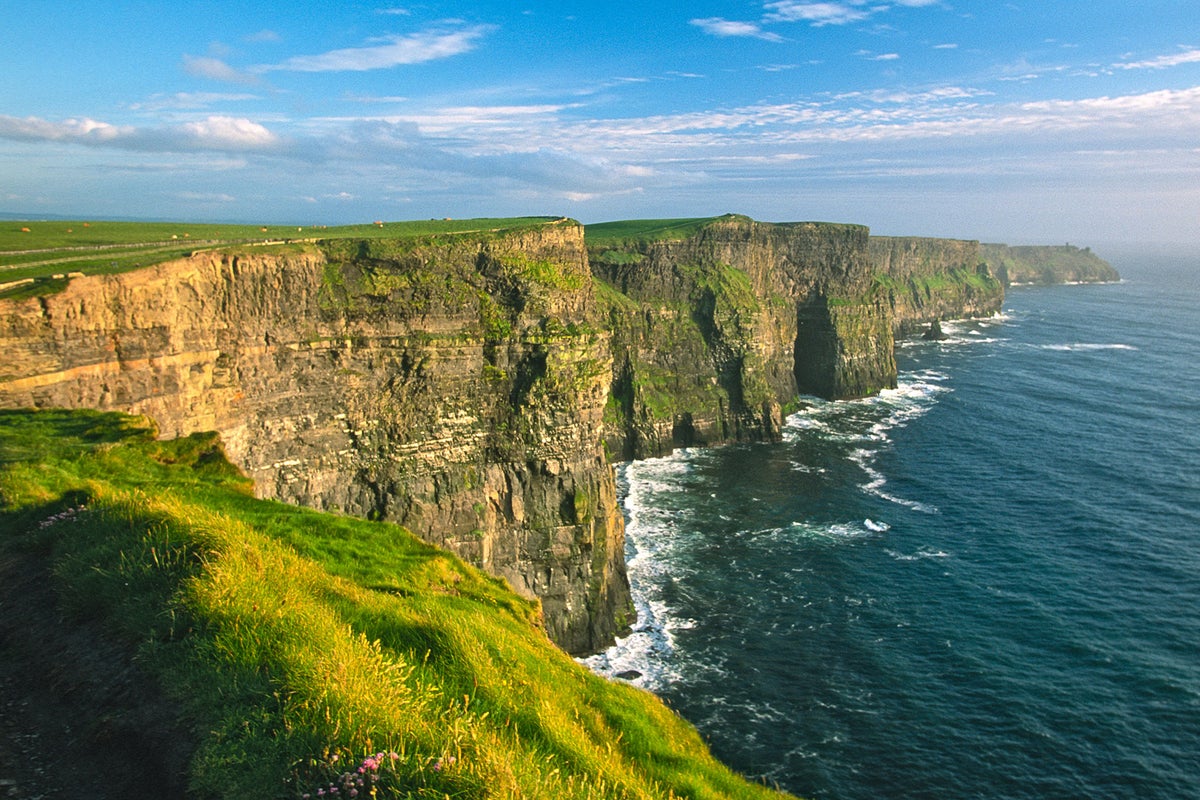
(985, 584)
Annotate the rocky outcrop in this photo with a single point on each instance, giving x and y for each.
(716, 332)
(932, 280)
(1047, 264)
(453, 384)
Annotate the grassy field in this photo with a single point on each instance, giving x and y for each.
(41, 249)
(302, 651)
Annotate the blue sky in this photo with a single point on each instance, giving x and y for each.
(1014, 121)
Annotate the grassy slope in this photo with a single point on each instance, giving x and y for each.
(57, 246)
(289, 637)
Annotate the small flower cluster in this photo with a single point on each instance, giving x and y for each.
(66, 515)
(442, 763)
(352, 783)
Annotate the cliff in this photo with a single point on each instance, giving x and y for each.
(719, 324)
(467, 385)
(1047, 264)
(453, 384)
(931, 280)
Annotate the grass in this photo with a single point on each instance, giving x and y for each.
(298, 643)
(613, 233)
(41, 249)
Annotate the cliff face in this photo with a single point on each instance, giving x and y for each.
(467, 386)
(715, 332)
(928, 280)
(455, 385)
(1047, 264)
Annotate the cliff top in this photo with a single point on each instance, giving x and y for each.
(619, 232)
(40, 250)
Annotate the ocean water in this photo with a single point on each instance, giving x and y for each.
(984, 584)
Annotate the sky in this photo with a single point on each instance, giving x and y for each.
(1022, 122)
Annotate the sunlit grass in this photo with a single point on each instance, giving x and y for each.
(302, 644)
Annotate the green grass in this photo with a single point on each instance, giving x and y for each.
(612, 233)
(60, 246)
(290, 638)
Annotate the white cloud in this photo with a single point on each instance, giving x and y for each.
(264, 36)
(220, 133)
(216, 133)
(716, 26)
(833, 13)
(216, 69)
(415, 48)
(84, 131)
(1163, 62)
(189, 101)
(816, 14)
(206, 197)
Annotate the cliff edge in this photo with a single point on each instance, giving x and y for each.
(454, 384)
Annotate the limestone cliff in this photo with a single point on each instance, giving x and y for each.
(719, 327)
(454, 384)
(1047, 264)
(931, 280)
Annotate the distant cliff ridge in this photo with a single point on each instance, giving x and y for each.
(1047, 264)
(933, 280)
(475, 386)
(719, 324)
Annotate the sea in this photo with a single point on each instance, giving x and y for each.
(982, 584)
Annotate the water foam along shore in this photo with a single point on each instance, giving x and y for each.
(1084, 347)
(660, 527)
(652, 532)
(657, 524)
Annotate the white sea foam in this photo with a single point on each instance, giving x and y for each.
(657, 526)
(1083, 347)
(876, 481)
(921, 554)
